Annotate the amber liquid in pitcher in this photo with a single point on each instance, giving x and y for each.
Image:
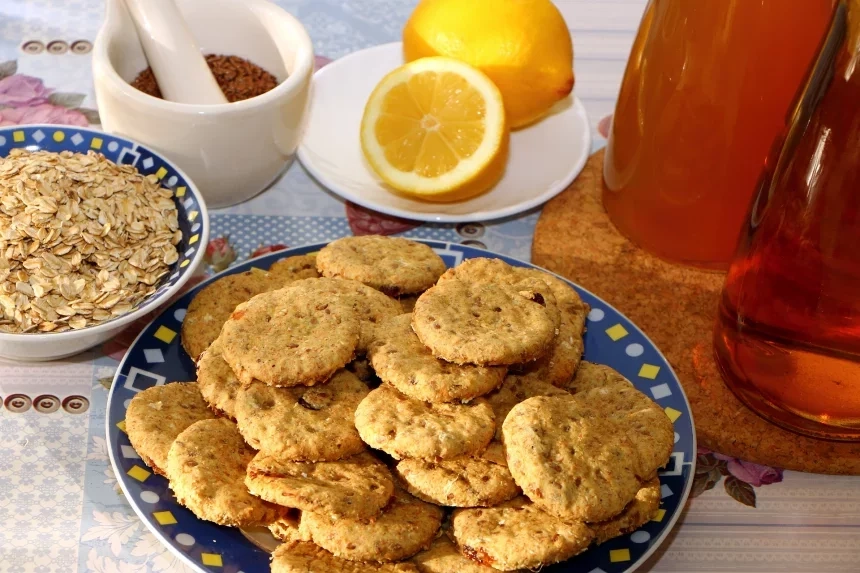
(788, 334)
(708, 87)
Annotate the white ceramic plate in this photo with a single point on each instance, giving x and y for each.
(544, 158)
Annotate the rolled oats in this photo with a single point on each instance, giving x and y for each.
(82, 240)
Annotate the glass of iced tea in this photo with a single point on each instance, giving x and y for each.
(708, 87)
(788, 334)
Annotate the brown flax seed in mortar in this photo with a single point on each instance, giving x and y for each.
(238, 78)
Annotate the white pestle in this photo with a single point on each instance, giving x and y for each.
(171, 51)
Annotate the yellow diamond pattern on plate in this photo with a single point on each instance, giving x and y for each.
(661, 513)
(139, 473)
(180, 191)
(184, 263)
(192, 215)
(161, 172)
(96, 143)
(619, 555)
(59, 136)
(193, 239)
(164, 518)
(164, 334)
(672, 413)
(121, 425)
(18, 136)
(616, 332)
(211, 559)
(649, 371)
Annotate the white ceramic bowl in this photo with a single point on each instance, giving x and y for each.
(193, 222)
(234, 150)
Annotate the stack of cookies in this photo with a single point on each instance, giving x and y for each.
(379, 413)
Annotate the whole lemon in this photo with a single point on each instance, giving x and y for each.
(524, 46)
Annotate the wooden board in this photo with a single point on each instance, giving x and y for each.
(675, 306)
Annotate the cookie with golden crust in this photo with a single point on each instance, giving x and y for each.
(294, 268)
(357, 487)
(404, 427)
(287, 528)
(393, 265)
(406, 526)
(464, 481)
(590, 375)
(207, 464)
(158, 414)
(584, 457)
(516, 534)
(484, 324)
(444, 557)
(305, 557)
(290, 337)
(638, 512)
(212, 306)
(370, 305)
(303, 424)
(217, 381)
(400, 359)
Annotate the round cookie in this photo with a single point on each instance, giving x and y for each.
(217, 381)
(514, 390)
(570, 459)
(444, 557)
(464, 481)
(404, 427)
(287, 528)
(517, 535)
(211, 307)
(638, 512)
(399, 359)
(370, 305)
(393, 265)
(207, 463)
(304, 557)
(294, 268)
(290, 337)
(303, 424)
(405, 527)
(590, 375)
(158, 414)
(357, 487)
(486, 324)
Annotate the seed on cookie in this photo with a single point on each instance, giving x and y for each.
(638, 512)
(370, 305)
(464, 481)
(516, 534)
(303, 424)
(305, 557)
(404, 427)
(357, 487)
(158, 414)
(290, 337)
(213, 305)
(217, 381)
(207, 464)
(400, 359)
(485, 324)
(444, 557)
(406, 526)
(393, 265)
(514, 390)
(584, 459)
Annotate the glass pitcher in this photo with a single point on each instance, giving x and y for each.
(708, 87)
(788, 334)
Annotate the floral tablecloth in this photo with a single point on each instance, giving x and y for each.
(60, 508)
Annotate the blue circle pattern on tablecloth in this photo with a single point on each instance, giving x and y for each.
(156, 357)
(57, 138)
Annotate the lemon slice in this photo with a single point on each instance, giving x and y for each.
(435, 128)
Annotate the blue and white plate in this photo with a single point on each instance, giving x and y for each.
(156, 357)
